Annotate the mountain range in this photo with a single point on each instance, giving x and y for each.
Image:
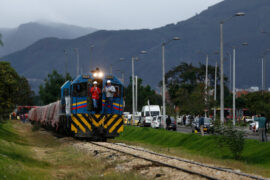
(18, 38)
(200, 33)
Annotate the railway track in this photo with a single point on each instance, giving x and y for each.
(202, 171)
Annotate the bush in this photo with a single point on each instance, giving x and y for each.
(231, 138)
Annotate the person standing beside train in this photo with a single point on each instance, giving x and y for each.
(109, 91)
(201, 124)
(262, 127)
(95, 92)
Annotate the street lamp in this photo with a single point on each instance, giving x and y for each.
(91, 47)
(66, 54)
(206, 81)
(122, 75)
(133, 58)
(263, 67)
(215, 91)
(221, 66)
(163, 78)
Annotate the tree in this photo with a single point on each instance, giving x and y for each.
(25, 95)
(145, 93)
(14, 90)
(258, 102)
(50, 92)
(186, 87)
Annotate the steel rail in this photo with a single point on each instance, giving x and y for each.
(191, 162)
(157, 162)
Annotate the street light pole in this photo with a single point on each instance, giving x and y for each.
(133, 98)
(221, 67)
(133, 58)
(91, 47)
(163, 86)
(136, 94)
(206, 82)
(215, 95)
(234, 87)
(221, 75)
(66, 61)
(163, 80)
(262, 73)
(123, 78)
(78, 61)
(111, 68)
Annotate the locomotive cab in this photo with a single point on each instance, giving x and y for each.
(104, 122)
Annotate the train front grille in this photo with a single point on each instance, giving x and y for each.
(107, 125)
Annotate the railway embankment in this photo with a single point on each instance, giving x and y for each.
(255, 157)
(33, 153)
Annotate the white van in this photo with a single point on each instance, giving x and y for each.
(146, 116)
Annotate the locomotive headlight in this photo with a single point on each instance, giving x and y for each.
(95, 74)
(100, 74)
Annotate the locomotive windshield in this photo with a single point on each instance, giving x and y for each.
(80, 90)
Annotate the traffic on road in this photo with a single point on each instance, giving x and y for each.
(198, 124)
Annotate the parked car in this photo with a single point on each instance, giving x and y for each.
(180, 120)
(172, 126)
(156, 122)
(207, 125)
(249, 119)
(254, 126)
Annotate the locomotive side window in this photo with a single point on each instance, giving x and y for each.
(80, 90)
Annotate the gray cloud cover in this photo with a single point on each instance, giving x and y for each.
(101, 14)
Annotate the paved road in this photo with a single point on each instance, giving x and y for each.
(250, 135)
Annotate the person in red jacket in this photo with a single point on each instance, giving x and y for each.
(95, 92)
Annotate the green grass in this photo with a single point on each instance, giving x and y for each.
(16, 161)
(255, 153)
(27, 153)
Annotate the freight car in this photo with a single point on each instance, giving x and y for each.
(74, 113)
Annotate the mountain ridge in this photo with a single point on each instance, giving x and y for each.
(24, 35)
(198, 33)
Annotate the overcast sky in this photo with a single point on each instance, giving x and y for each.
(101, 14)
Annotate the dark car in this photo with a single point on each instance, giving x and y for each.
(206, 128)
(172, 126)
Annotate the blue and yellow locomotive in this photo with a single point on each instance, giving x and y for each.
(78, 113)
